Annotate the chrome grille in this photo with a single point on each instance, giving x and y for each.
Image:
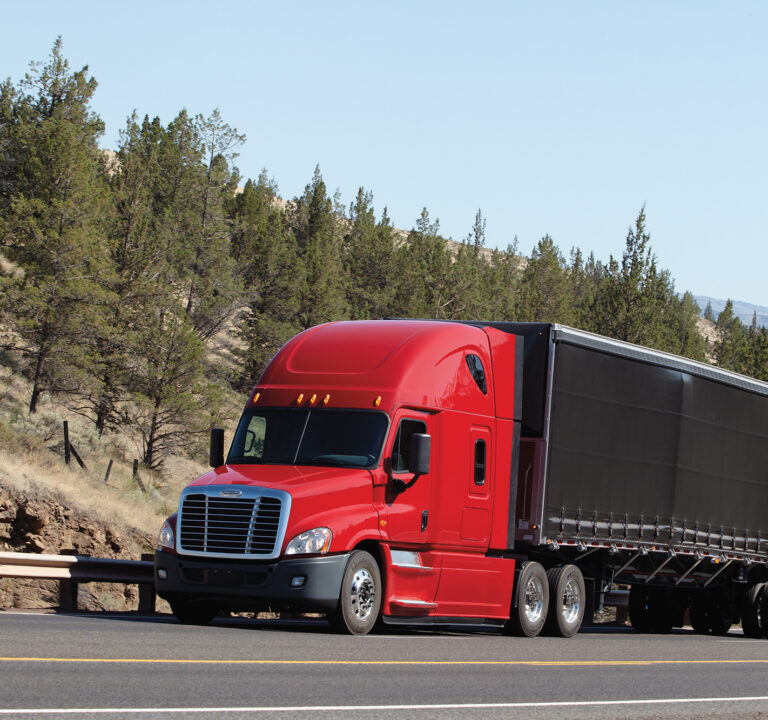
(248, 526)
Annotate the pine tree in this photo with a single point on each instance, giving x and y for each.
(635, 299)
(213, 287)
(545, 288)
(686, 338)
(500, 284)
(423, 284)
(321, 297)
(166, 408)
(468, 273)
(732, 348)
(369, 260)
(586, 278)
(268, 258)
(140, 271)
(53, 222)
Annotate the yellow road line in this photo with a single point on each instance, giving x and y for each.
(501, 663)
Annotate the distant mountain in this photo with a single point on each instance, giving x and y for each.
(744, 311)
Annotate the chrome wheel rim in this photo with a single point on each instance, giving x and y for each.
(534, 600)
(571, 602)
(362, 594)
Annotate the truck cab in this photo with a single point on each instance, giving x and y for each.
(370, 477)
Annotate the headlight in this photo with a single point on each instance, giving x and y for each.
(166, 540)
(316, 541)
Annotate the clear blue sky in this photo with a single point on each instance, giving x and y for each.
(557, 117)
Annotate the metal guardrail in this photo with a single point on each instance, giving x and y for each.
(74, 570)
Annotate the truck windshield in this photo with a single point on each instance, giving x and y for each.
(334, 438)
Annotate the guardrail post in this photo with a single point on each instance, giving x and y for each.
(68, 595)
(68, 589)
(147, 596)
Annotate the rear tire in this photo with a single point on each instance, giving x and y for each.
(640, 608)
(751, 614)
(651, 609)
(360, 596)
(763, 600)
(720, 618)
(567, 597)
(699, 616)
(532, 594)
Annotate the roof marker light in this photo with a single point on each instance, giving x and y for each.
(300, 399)
(326, 399)
(256, 397)
(377, 401)
(313, 399)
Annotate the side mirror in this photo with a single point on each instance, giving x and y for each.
(418, 457)
(217, 447)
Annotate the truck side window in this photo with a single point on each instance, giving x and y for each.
(402, 443)
(480, 462)
(475, 365)
(254, 437)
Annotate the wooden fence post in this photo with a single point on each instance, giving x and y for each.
(109, 470)
(67, 454)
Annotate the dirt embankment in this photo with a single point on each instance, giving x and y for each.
(37, 520)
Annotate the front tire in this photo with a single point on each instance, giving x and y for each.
(194, 612)
(360, 596)
(566, 601)
(532, 593)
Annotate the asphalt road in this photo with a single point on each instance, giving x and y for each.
(107, 667)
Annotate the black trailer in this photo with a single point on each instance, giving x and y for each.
(647, 469)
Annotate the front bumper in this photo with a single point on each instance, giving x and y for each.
(252, 585)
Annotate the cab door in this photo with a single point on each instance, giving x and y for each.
(408, 509)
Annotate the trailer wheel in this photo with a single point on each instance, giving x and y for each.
(566, 601)
(662, 611)
(699, 616)
(194, 612)
(720, 618)
(532, 594)
(360, 597)
(763, 601)
(640, 615)
(751, 615)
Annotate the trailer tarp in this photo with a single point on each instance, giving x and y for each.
(643, 451)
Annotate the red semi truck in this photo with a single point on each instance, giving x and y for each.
(426, 472)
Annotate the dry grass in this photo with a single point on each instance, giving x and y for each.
(31, 452)
(117, 502)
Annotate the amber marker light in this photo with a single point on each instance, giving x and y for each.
(377, 401)
(326, 399)
(300, 399)
(256, 397)
(313, 399)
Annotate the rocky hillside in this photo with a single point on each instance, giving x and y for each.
(38, 520)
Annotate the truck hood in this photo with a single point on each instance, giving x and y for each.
(301, 482)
